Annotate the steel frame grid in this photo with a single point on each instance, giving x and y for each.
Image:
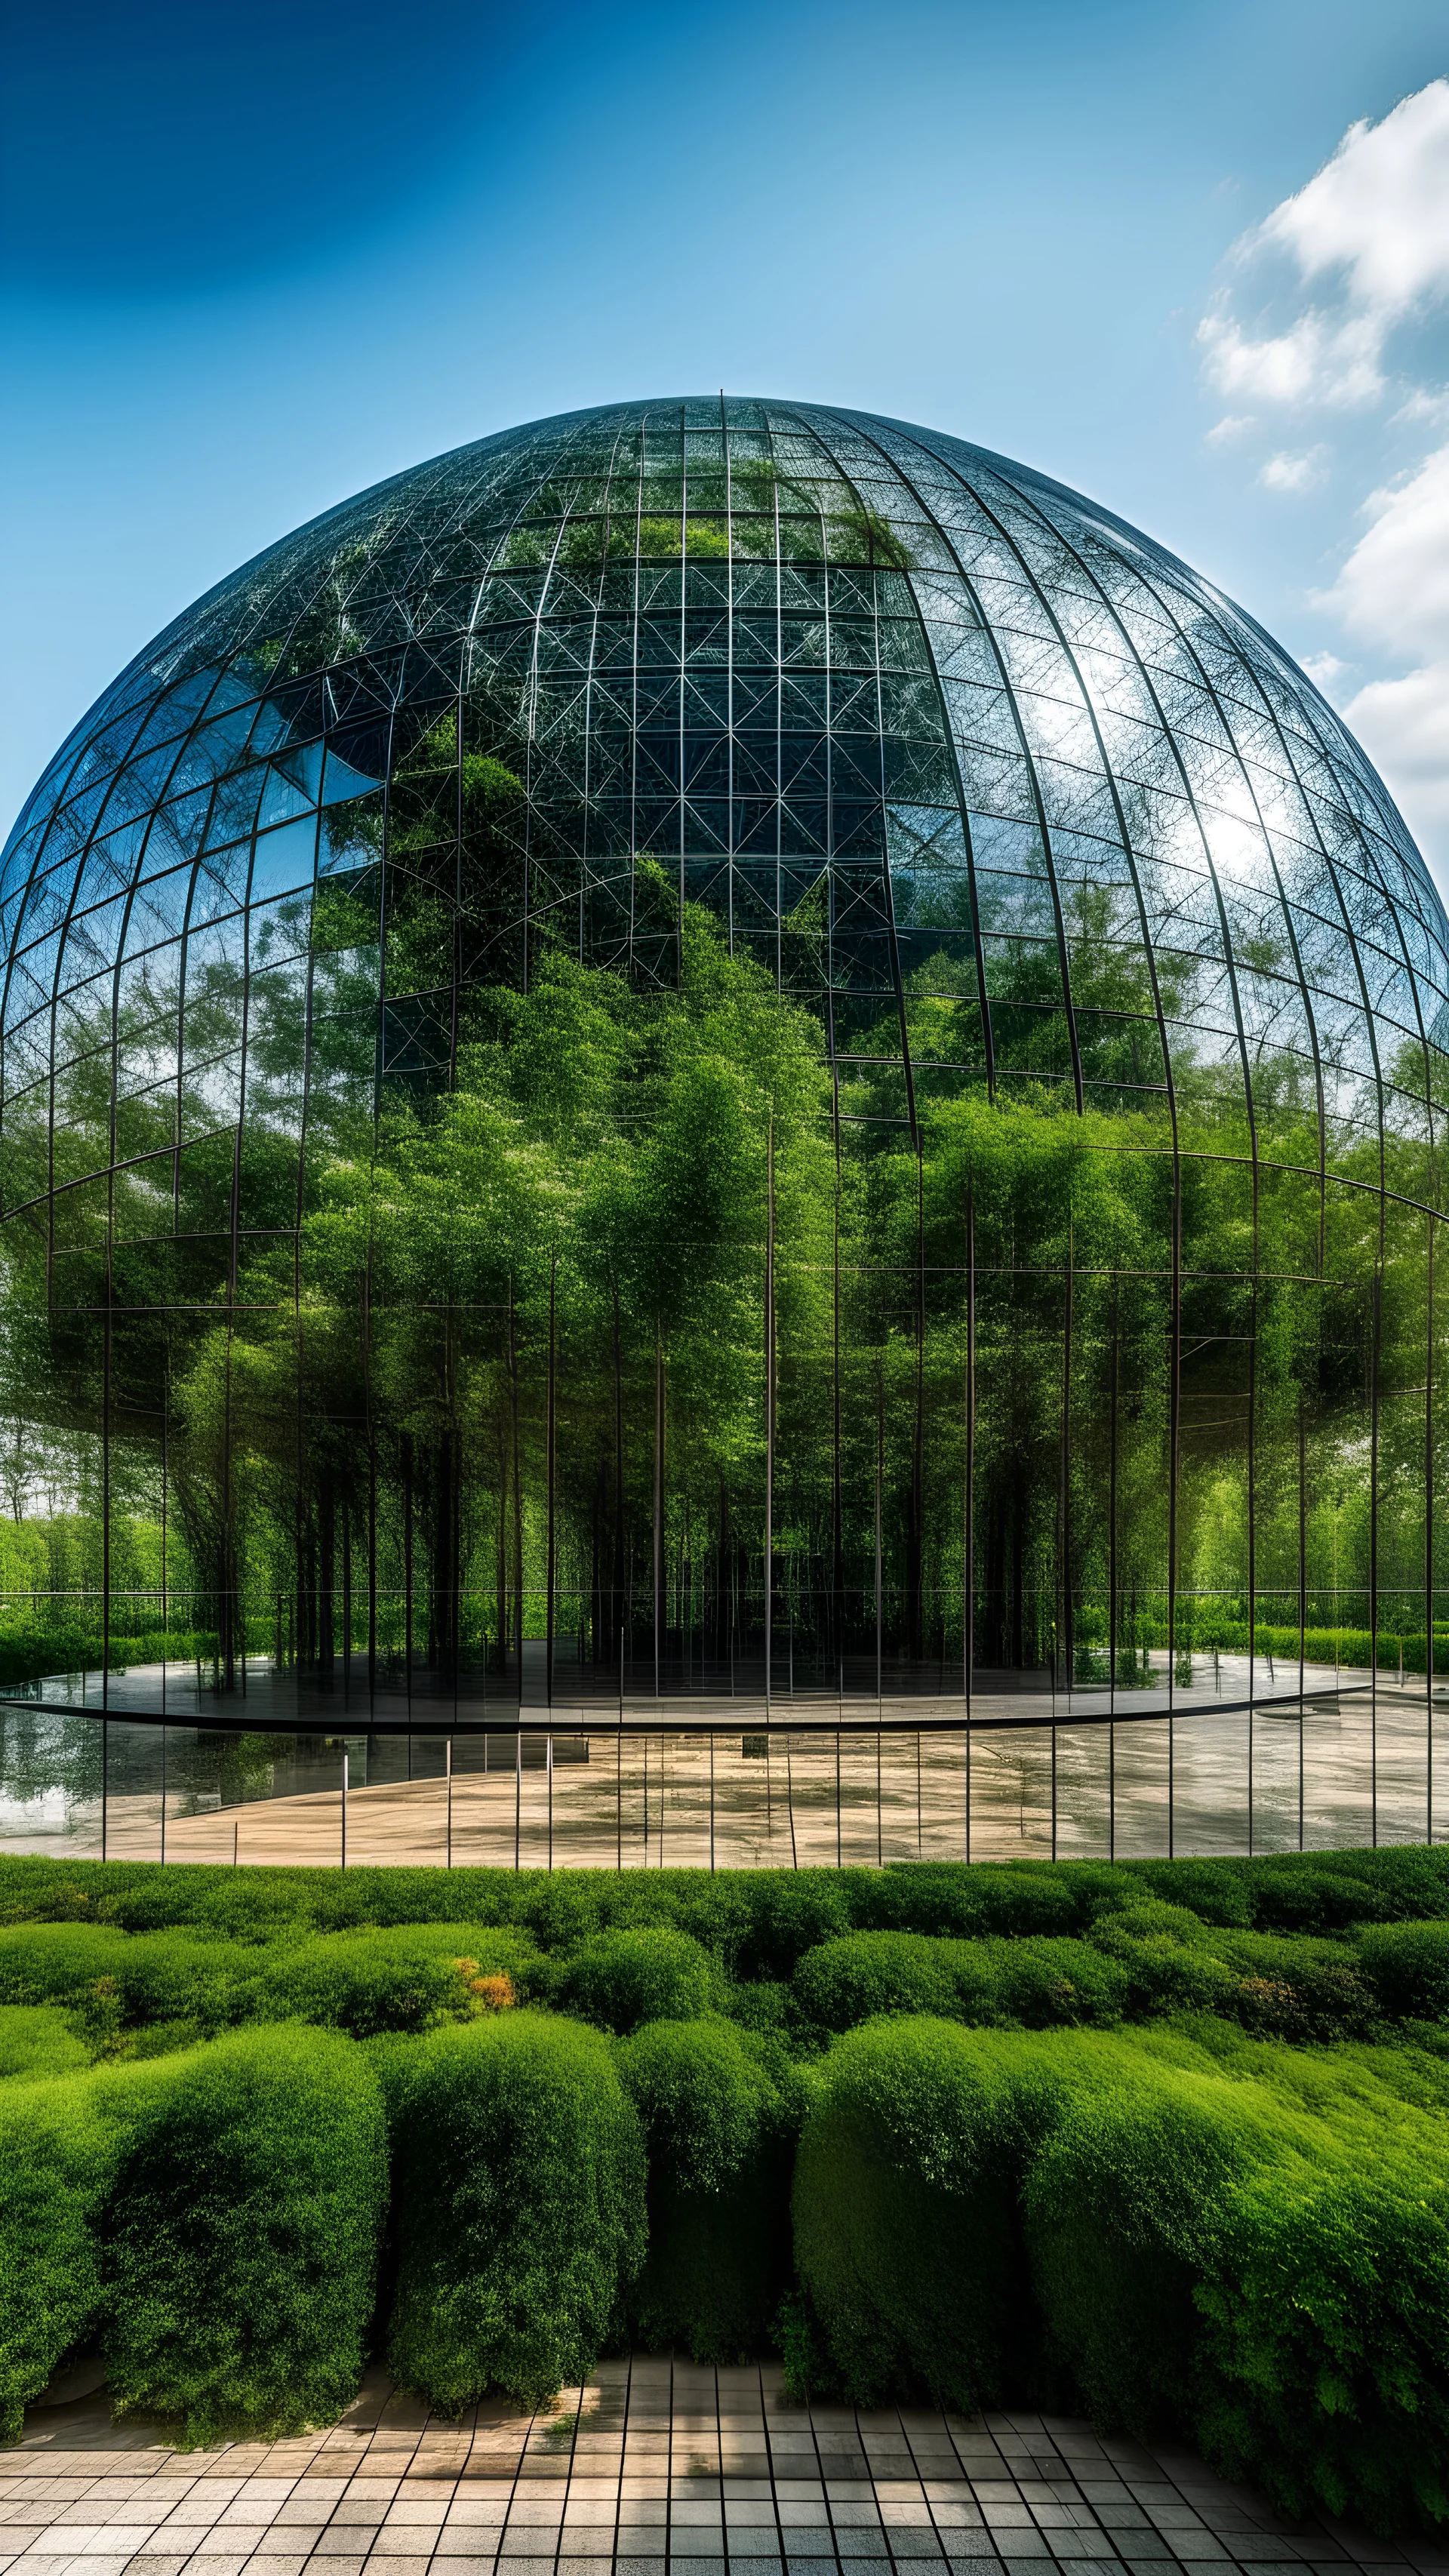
(421, 511)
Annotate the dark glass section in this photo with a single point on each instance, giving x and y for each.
(727, 1064)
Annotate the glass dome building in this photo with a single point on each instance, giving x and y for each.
(720, 1135)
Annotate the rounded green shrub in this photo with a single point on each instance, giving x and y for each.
(1254, 2249)
(907, 2233)
(620, 1979)
(1287, 1986)
(1042, 1982)
(1166, 1958)
(244, 2228)
(519, 2191)
(1113, 2200)
(845, 1982)
(55, 1962)
(719, 2128)
(118, 1979)
(1291, 1986)
(55, 2162)
(404, 1978)
(1032, 1982)
(1407, 1965)
(38, 2040)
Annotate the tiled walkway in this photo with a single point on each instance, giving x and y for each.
(652, 2462)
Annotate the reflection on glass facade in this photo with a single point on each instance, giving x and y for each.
(718, 1065)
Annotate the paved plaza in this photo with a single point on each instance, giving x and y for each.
(655, 2465)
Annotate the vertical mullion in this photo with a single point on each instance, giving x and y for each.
(683, 668)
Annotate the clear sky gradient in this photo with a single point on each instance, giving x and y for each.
(254, 260)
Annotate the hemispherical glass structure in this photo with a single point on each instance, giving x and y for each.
(725, 1065)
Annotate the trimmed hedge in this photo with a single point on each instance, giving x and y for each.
(719, 2112)
(907, 2228)
(757, 1922)
(1407, 1964)
(55, 2162)
(161, 1976)
(1033, 1982)
(1150, 1958)
(405, 1978)
(1285, 1986)
(620, 1979)
(520, 2210)
(243, 2231)
(1242, 2241)
(1267, 2263)
(36, 2040)
(401, 1978)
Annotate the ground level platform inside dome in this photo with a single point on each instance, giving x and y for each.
(1351, 1763)
(266, 1693)
(653, 2466)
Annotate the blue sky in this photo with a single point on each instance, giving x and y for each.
(253, 261)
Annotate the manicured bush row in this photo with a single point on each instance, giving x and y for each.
(398, 1979)
(1033, 1981)
(720, 2110)
(758, 1923)
(1271, 2272)
(245, 2215)
(1191, 2226)
(56, 2157)
(620, 1979)
(519, 2204)
(135, 1993)
(217, 2216)
(1148, 1959)
(1212, 2240)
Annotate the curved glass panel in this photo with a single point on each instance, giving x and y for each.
(723, 1064)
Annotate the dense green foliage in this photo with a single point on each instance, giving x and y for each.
(613, 1166)
(719, 2113)
(620, 1979)
(907, 2234)
(406, 1978)
(123, 1988)
(1260, 2257)
(1031, 1981)
(38, 2040)
(243, 2235)
(55, 2157)
(519, 2200)
(759, 1922)
(1245, 2242)
(1166, 2139)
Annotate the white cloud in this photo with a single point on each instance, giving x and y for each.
(1318, 360)
(1288, 473)
(1394, 589)
(1365, 250)
(1233, 425)
(1378, 212)
(1404, 727)
(1423, 408)
(1374, 224)
(1393, 592)
(1323, 669)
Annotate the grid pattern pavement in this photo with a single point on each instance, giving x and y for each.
(653, 2466)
